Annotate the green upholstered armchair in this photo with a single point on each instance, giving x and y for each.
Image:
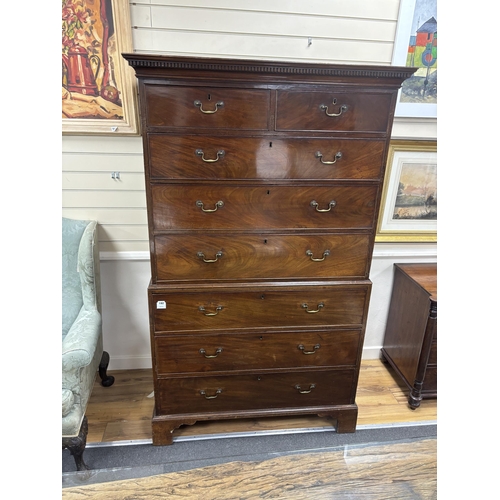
(82, 347)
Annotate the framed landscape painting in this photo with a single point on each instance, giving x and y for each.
(408, 212)
(416, 46)
(99, 93)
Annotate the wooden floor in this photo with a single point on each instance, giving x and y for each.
(123, 411)
(400, 471)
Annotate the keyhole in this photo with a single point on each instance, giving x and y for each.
(270, 144)
(268, 192)
(265, 241)
(209, 97)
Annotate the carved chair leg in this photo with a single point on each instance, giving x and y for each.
(106, 380)
(76, 445)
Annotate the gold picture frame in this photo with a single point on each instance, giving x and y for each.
(99, 88)
(408, 211)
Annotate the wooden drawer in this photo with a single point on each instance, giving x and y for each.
(241, 308)
(365, 112)
(273, 207)
(252, 351)
(249, 392)
(245, 109)
(212, 157)
(279, 256)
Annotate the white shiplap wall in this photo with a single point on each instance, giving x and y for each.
(349, 32)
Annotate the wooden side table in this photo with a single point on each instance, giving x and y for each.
(410, 342)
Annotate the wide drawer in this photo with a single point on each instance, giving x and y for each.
(201, 108)
(253, 351)
(249, 392)
(259, 207)
(352, 111)
(239, 308)
(213, 157)
(266, 256)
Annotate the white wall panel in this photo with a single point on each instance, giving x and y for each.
(85, 161)
(128, 181)
(103, 199)
(268, 23)
(370, 9)
(262, 47)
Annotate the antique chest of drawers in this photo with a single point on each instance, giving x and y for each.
(410, 341)
(263, 185)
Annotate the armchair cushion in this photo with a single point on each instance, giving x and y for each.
(72, 297)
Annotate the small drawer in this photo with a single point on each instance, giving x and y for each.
(275, 207)
(268, 256)
(212, 157)
(350, 112)
(206, 108)
(251, 392)
(251, 351)
(243, 308)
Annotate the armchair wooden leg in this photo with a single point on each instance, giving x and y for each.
(76, 445)
(106, 380)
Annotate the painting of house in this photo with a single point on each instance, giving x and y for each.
(422, 54)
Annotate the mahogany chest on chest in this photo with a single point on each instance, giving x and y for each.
(263, 183)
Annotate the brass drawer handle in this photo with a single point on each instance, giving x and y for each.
(326, 253)
(301, 347)
(320, 306)
(324, 108)
(315, 204)
(217, 352)
(220, 153)
(201, 255)
(217, 309)
(217, 392)
(319, 155)
(218, 105)
(218, 205)
(305, 391)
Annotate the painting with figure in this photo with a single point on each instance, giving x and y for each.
(91, 85)
(422, 54)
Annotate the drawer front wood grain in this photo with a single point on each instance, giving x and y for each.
(245, 109)
(364, 112)
(265, 256)
(235, 308)
(213, 157)
(250, 351)
(249, 392)
(271, 207)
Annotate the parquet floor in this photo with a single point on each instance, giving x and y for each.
(123, 411)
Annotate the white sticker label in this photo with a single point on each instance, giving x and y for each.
(161, 304)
